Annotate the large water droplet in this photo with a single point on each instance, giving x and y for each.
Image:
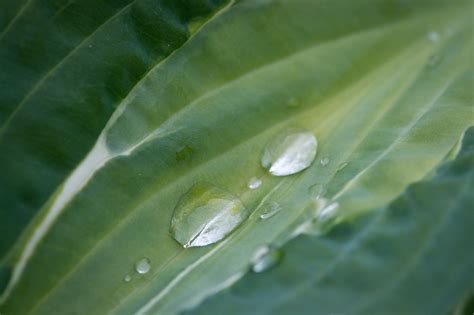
(317, 191)
(433, 36)
(254, 183)
(143, 266)
(270, 210)
(264, 258)
(205, 215)
(290, 153)
(324, 161)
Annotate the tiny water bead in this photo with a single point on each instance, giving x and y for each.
(317, 191)
(434, 60)
(143, 266)
(433, 36)
(270, 210)
(290, 153)
(324, 161)
(254, 183)
(127, 278)
(205, 215)
(265, 257)
(184, 153)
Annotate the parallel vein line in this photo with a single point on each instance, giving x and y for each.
(13, 20)
(52, 70)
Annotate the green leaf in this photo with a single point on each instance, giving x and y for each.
(64, 69)
(386, 87)
(412, 257)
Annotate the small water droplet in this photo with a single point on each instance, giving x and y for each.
(205, 215)
(143, 266)
(265, 257)
(293, 102)
(270, 211)
(341, 166)
(254, 183)
(127, 278)
(317, 191)
(434, 60)
(90, 46)
(290, 153)
(324, 161)
(184, 153)
(433, 36)
(328, 211)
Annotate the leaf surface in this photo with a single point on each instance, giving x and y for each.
(411, 257)
(366, 77)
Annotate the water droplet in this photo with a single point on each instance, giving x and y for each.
(317, 191)
(328, 211)
(205, 215)
(127, 278)
(433, 36)
(143, 266)
(264, 258)
(434, 60)
(293, 102)
(184, 153)
(254, 183)
(290, 153)
(341, 166)
(270, 211)
(324, 161)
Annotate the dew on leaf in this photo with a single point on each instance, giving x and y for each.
(328, 211)
(254, 183)
(184, 153)
(205, 215)
(290, 153)
(143, 265)
(265, 257)
(270, 210)
(324, 161)
(433, 36)
(127, 278)
(317, 191)
(434, 60)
